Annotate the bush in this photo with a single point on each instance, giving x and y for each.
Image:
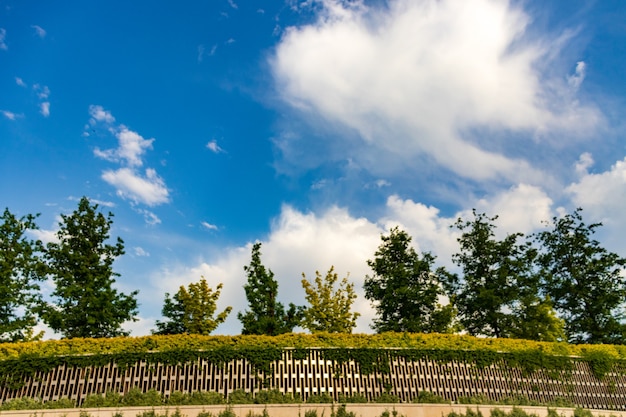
(23, 403)
(60, 403)
(475, 400)
(426, 397)
(581, 412)
(274, 397)
(205, 414)
(385, 398)
(354, 399)
(240, 396)
(227, 413)
(324, 398)
(94, 401)
(134, 398)
(342, 412)
(310, 413)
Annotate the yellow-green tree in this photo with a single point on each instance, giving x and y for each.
(192, 310)
(329, 308)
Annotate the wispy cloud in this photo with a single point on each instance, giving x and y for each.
(44, 108)
(3, 34)
(214, 147)
(20, 82)
(200, 52)
(140, 187)
(39, 31)
(233, 4)
(139, 251)
(10, 115)
(209, 226)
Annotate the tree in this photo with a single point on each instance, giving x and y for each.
(266, 315)
(497, 275)
(81, 266)
(404, 288)
(19, 273)
(585, 281)
(536, 319)
(192, 310)
(329, 309)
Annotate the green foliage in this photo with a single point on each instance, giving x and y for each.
(324, 398)
(192, 310)
(427, 397)
(135, 397)
(266, 315)
(81, 266)
(274, 397)
(310, 413)
(60, 403)
(405, 290)
(240, 396)
(19, 272)
(584, 281)
(468, 413)
(386, 398)
(352, 399)
(253, 414)
(581, 412)
(342, 412)
(23, 403)
(496, 274)
(329, 308)
(475, 400)
(195, 398)
(228, 412)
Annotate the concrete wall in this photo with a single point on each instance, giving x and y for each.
(314, 375)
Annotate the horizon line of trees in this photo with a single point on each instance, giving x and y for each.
(558, 284)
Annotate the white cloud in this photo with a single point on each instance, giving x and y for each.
(603, 195)
(148, 189)
(131, 148)
(20, 82)
(39, 31)
(98, 114)
(139, 251)
(44, 108)
(9, 114)
(42, 92)
(233, 4)
(209, 226)
(3, 34)
(416, 78)
(578, 77)
(214, 147)
(200, 52)
(584, 163)
(145, 188)
(46, 236)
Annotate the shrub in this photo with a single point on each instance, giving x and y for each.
(205, 414)
(427, 397)
(240, 396)
(385, 398)
(581, 412)
(475, 400)
(274, 397)
(94, 401)
(354, 399)
(23, 403)
(342, 412)
(320, 399)
(60, 403)
(310, 413)
(134, 397)
(227, 413)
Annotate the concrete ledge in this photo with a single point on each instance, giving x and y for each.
(298, 410)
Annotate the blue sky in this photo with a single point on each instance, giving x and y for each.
(311, 126)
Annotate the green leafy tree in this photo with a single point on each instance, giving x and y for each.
(585, 281)
(81, 266)
(19, 273)
(405, 289)
(536, 319)
(192, 310)
(266, 315)
(497, 276)
(329, 308)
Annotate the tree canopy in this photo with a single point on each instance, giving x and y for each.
(192, 310)
(329, 309)
(19, 272)
(266, 315)
(585, 281)
(405, 289)
(81, 266)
